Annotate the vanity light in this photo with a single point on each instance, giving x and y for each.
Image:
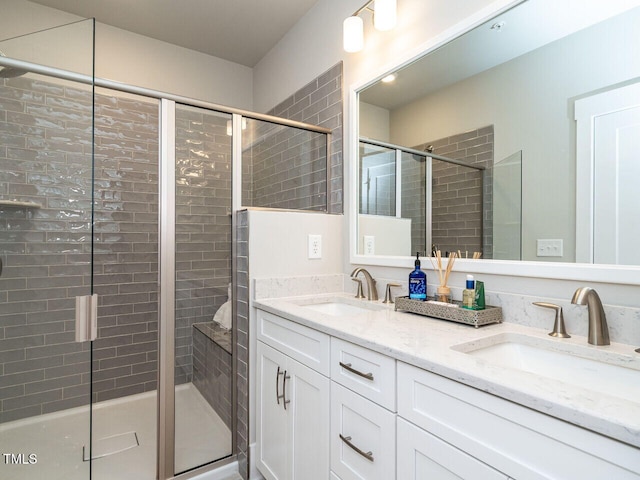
(353, 34)
(384, 18)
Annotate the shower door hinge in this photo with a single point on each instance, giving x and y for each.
(86, 318)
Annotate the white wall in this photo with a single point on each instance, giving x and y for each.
(122, 56)
(374, 122)
(278, 242)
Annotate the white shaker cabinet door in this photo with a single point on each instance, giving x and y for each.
(292, 422)
(308, 394)
(271, 417)
(422, 456)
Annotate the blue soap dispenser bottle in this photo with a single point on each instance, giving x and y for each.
(417, 282)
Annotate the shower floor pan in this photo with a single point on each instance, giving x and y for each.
(124, 428)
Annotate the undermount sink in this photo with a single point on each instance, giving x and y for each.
(603, 371)
(339, 306)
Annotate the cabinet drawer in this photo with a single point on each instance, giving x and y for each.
(364, 371)
(422, 456)
(363, 437)
(308, 346)
(516, 440)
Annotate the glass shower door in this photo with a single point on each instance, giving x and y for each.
(125, 265)
(45, 249)
(46, 187)
(203, 366)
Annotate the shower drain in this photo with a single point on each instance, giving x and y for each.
(111, 445)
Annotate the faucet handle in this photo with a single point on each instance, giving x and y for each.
(559, 329)
(359, 292)
(387, 295)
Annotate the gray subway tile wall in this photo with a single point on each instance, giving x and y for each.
(317, 103)
(241, 339)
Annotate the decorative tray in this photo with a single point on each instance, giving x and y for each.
(477, 318)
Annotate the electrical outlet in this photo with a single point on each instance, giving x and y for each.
(549, 247)
(369, 245)
(315, 246)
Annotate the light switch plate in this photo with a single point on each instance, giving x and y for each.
(549, 247)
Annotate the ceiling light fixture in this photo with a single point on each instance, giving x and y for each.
(389, 78)
(384, 18)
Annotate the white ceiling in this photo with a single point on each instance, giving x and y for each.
(241, 31)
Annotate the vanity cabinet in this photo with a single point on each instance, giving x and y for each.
(356, 414)
(292, 408)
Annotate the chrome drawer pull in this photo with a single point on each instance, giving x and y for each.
(347, 440)
(347, 366)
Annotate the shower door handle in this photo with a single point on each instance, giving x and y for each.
(86, 318)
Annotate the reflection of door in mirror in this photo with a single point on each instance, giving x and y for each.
(381, 228)
(617, 208)
(377, 180)
(607, 143)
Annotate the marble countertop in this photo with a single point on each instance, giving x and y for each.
(427, 343)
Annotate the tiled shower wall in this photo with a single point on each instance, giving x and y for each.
(462, 211)
(286, 168)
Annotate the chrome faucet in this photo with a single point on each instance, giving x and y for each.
(372, 293)
(598, 328)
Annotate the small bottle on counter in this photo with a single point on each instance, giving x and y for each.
(417, 282)
(469, 293)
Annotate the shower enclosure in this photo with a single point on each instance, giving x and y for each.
(117, 340)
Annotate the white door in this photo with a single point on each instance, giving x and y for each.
(607, 174)
(617, 177)
(271, 417)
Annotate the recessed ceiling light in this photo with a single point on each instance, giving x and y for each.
(389, 78)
